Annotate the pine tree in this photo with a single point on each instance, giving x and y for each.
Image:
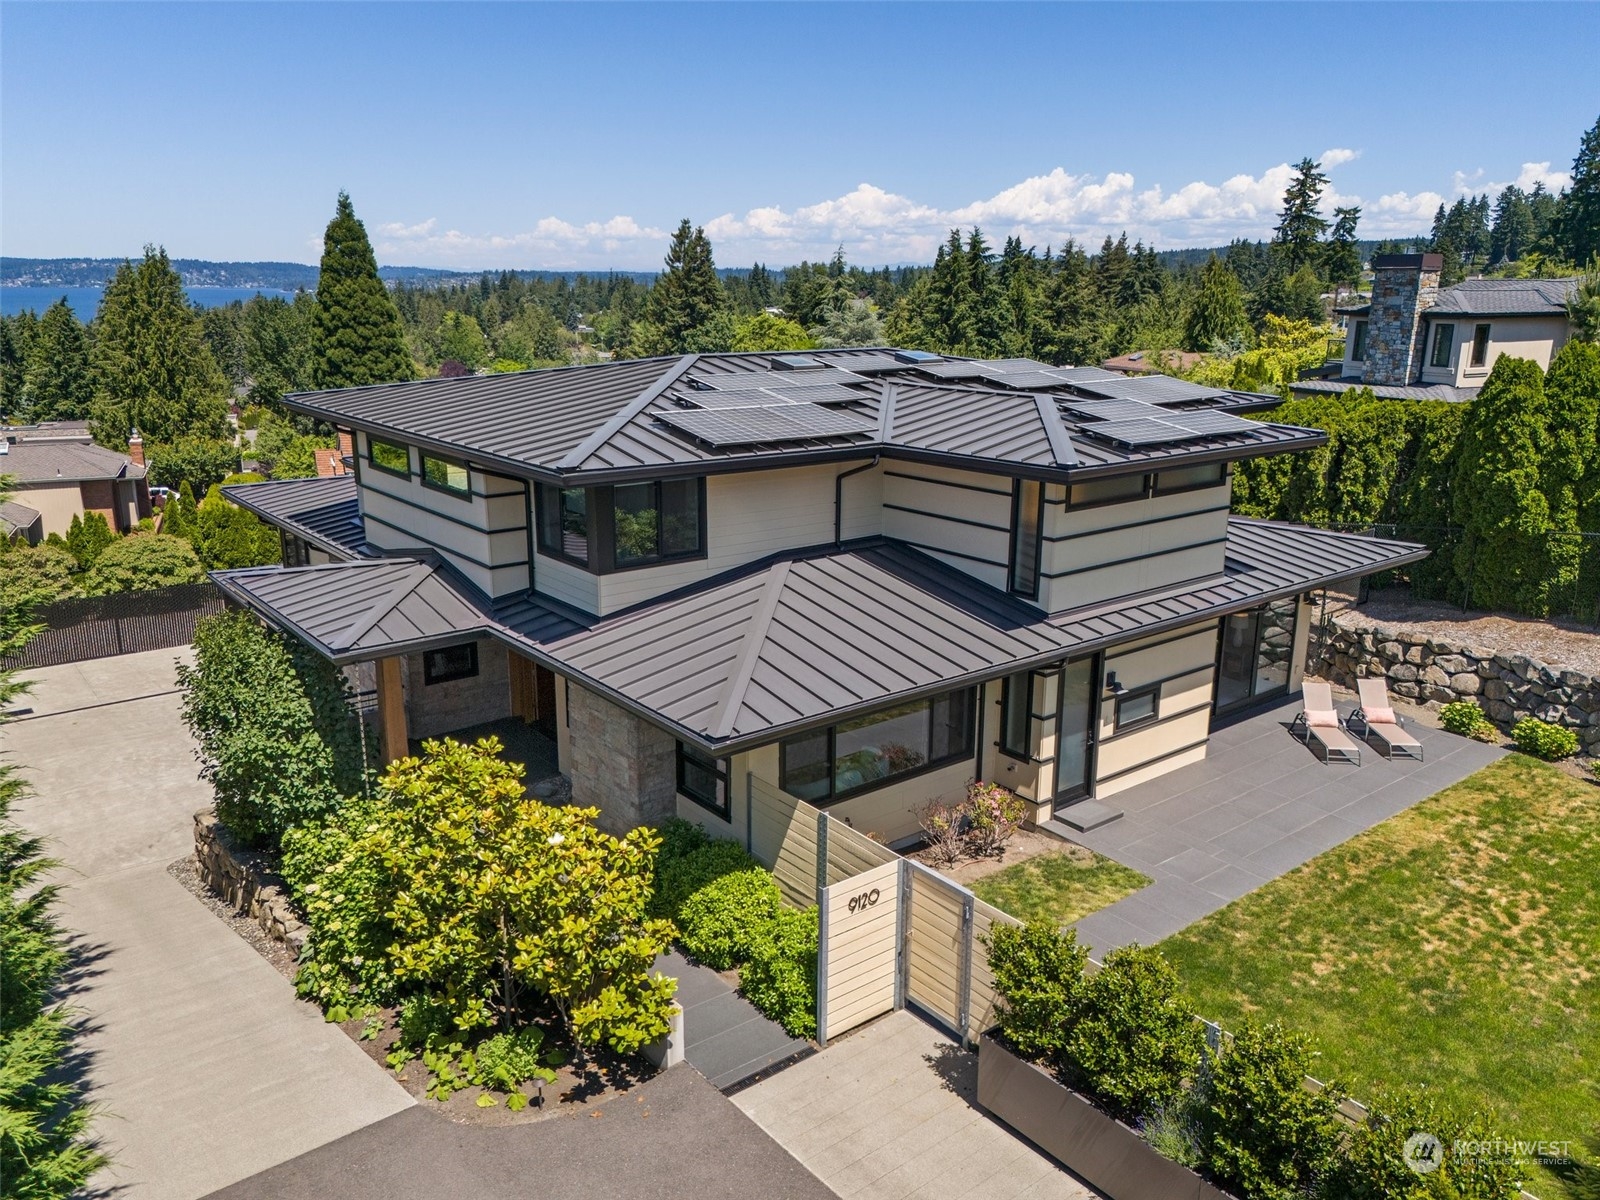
(357, 337)
(152, 370)
(1580, 208)
(16, 339)
(1511, 234)
(990, 316)
(1496, 493)
(1300, 225)
(57, 383)
(1569, 474)
(1341, 256)
(1216, 313)
(687, 310)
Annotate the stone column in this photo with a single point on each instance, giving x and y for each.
(621, 764)
(1404, 286)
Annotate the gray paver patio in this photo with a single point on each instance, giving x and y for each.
(724, 1037)
(1258, 806)
(205, 1066)
(890, 1113)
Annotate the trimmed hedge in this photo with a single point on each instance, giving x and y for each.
(781, 976)
(720, 923)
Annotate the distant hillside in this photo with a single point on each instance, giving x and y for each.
(199, 272)
(1196, 256)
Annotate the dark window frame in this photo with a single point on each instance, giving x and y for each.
(965, 752)
(374, 442)
(612, 567)
(1009, 695)
(1028, 589)
(1445, 341)
(1144, 492)
(541, 501)
(1480, 346)
(718, 768)
(1358, 344)
(430, 676)
(601, 527)
(1151, 692)
(296, 550)
(460, 494)
(1156, 488)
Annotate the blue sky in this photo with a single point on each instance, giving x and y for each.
(522, 135)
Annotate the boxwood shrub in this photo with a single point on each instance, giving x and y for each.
(1467, 719)
(780, 978)
(1543, 740)
(718, 923)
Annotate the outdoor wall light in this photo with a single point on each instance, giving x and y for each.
(1112, 686)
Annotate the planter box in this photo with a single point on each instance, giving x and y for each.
(1097, 1148)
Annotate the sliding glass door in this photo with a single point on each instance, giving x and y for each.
(1253, 652)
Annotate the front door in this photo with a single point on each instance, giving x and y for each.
(1075, 737)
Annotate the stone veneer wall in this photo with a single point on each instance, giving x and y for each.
(625, 767)
(1395, 329)
(246, 880)
(1432, 672)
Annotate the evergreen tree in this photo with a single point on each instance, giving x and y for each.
(1496, 493)
(1341, 257)
(87, 536)
(1300, 225)
(1216, 314)
(1580, 207)
(57, 382)
(991, 316)
(16, 339)
(1511, 234)
(357, 337)
(1569, 474)
(686, 307)
(152, 370)
(1073, 328)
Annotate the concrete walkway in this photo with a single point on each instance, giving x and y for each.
(724, 1037)
(206, 1067)
(890, 1113)
(1259, 805)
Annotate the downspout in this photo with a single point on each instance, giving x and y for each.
(838, 497)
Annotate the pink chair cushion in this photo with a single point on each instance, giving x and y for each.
(1318, 719)
(1380, 716)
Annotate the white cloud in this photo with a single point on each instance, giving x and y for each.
(876, 225)
(1533, 173)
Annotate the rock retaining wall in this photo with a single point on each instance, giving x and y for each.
(246, 880)
(1432, 672)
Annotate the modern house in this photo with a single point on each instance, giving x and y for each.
(865, 577)
(1418, 341)
(57, 473)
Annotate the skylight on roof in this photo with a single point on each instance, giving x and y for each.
(796, 362)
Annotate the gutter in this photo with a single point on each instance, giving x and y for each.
(838, 496)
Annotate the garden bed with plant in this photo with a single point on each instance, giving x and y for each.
(489, 947)
(1129, 1064)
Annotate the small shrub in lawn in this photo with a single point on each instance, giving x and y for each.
(1372, 1165)
(1263, 1134)
(686, 862)
(1132, 1042)
(1038, 973)
(781, 977)
(718, 923)
(1467, 719)
(1543, 740)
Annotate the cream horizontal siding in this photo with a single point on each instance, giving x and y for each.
(563, 581)
(1185, 664)
(962, 518)
(750, 515)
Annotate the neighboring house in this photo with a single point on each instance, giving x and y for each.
(863, 576)
(1156, 362)
(18, 522)
(59, 473)
(1417, 341)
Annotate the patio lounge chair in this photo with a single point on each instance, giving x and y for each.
(1380, 722)
(1319, 722)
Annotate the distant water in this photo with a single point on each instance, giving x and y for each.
(85, 301)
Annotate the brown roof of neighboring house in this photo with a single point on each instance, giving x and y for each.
(1142, 363)
(44, 462)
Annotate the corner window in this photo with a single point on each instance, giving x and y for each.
(1444, 341)
(656, 521)
(1480, 346)
(1027, 518)
(446, 475)
(389, 456)
(703, 779)
(564, 523)
(1184, 479)
(873, 750)
(1016, 715)
(1137, 708)
(1358, 344)
(452, 662)
(1107, 491)
(295, 551)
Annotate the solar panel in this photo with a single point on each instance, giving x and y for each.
(1155, 389)
(1135, 423)
(796, 362)
(751, 426)
(1025, 380)
(1212, 423)
(1085, 374)
(1013, 366)
(744, 398)
(877, 364)
(1112, 410)
(955, 370)
(1139, 431)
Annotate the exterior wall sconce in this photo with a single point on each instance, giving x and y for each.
(1112, 686)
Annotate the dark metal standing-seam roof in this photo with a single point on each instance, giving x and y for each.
(324, 511)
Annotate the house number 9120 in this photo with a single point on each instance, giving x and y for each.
(864, 901)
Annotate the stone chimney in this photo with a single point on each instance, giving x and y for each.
(136, 448)
(1404, 286)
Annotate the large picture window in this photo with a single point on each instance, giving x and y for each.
(872, 750)
(629, 525)
(703, 779)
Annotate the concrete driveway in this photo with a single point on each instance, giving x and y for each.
(206, 1067)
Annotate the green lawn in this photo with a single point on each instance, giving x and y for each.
(1456, 945)
(1060, 886)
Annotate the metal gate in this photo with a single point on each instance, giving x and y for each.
(938, 946)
